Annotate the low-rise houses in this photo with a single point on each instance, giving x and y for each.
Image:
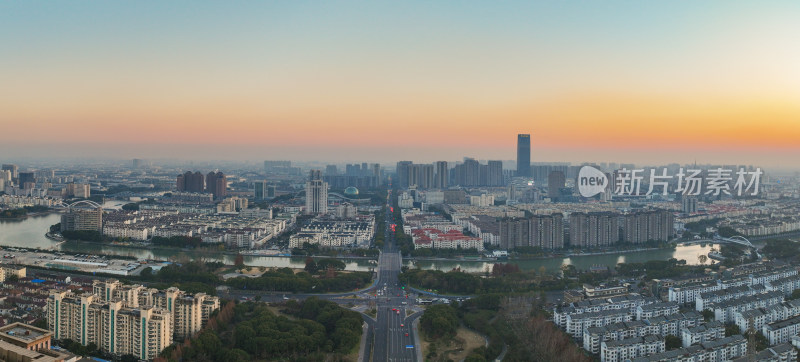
(787, 285)
(576, 323)
(721, 350)
(780, 353)
(726, 311)
(757, 318)
(781, 331)
(627, 349)
(703, 333)
(336, 233)
(648, 311)
(703, 300)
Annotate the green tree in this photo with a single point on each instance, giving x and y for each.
(672, 342)
(731, 329)
(311, 265)
(131, 206)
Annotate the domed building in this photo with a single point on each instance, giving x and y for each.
(351, 191)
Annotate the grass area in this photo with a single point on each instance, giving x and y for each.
(456, 349)
(276, 308)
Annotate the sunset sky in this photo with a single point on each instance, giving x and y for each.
(638, 81)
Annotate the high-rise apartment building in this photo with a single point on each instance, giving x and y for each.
(12, 169)
(82, 219)
(402, 173)
(217, 184)
(467, 173)
(316, 194)
(547, 231)
(644, 226)
(593, 229)
(442, 178)
(128, 319)
(543, 231)
(494, 170)
(420, 175)
(524, 155)
(555, 182)
(191, 182)
(514, 232)
(27, 178)
(261, 190)
(83, 191)
(689, 204)
(331, 170)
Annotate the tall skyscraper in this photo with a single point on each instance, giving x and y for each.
(524, 155)
(217, 184)
(442, 178)
(316, 194)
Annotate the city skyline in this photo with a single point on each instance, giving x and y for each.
(712, 82)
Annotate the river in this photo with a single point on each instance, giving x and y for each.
(30, 232)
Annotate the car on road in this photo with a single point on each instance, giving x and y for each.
(402, 325)
(406, 334)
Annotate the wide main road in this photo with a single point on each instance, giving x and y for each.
(394, 337)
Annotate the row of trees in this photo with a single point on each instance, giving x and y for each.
(179, 241)
(193, 276)
(83, 235)
(439, 322)
(504, 278)
(22, 212)
(658, 269)
(285, 280)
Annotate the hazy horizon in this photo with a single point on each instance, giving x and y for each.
(617, 81)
